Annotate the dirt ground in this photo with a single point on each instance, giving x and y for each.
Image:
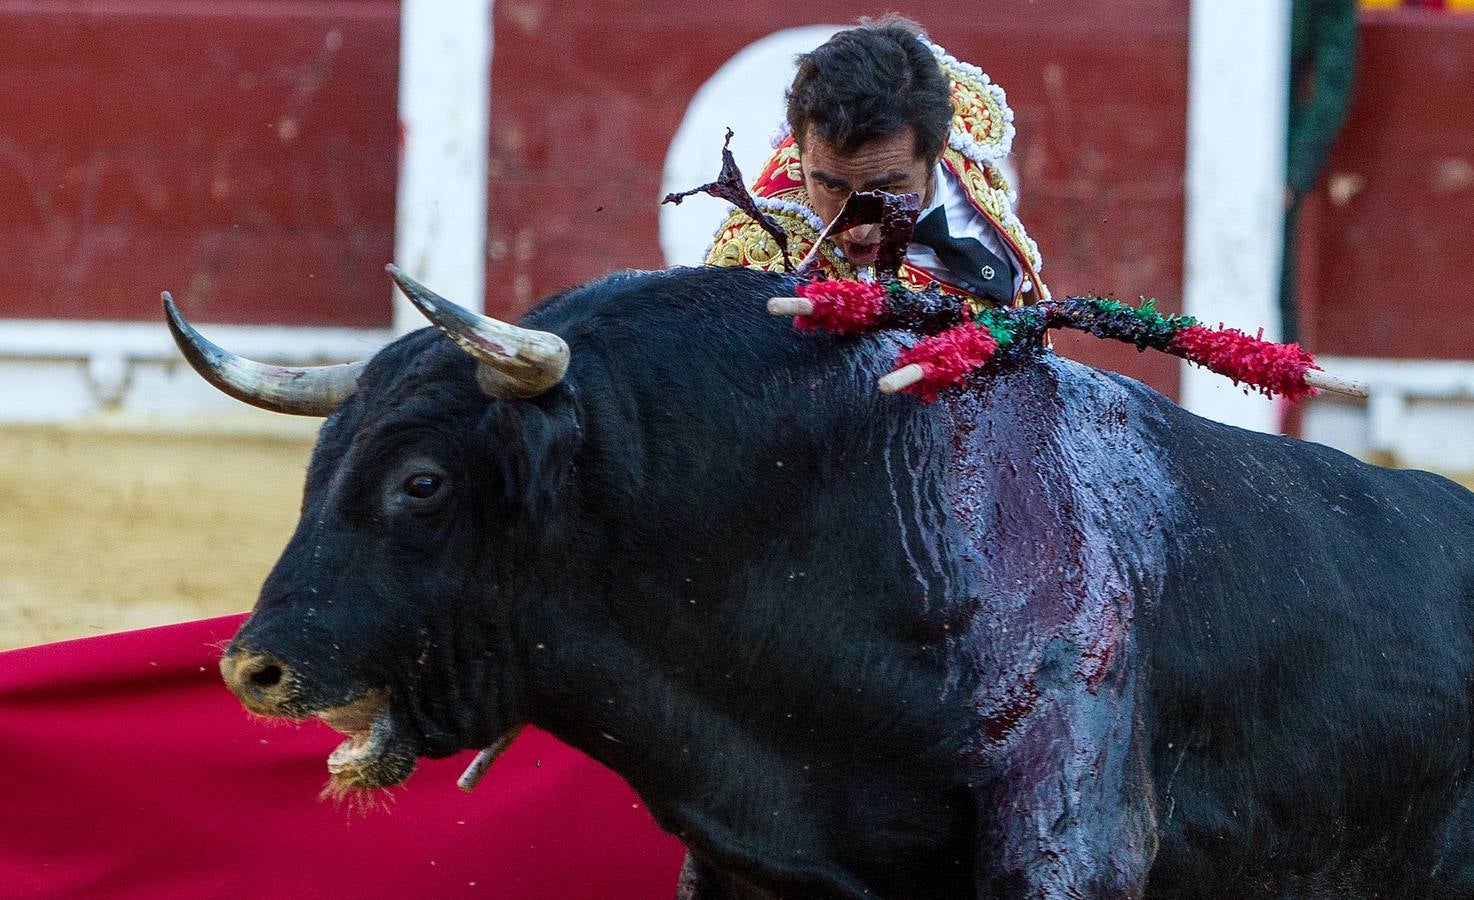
(102, 532)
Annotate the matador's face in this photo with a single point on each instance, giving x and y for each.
(884, 164)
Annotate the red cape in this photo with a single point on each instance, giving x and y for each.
(128, 770)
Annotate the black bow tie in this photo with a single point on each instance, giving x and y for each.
(968, 262)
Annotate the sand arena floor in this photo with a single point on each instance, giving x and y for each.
(104, 531)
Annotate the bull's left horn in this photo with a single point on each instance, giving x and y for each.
(515, 362)
(308, 391)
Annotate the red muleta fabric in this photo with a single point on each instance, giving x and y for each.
(128, 770)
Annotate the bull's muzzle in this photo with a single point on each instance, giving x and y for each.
(264, 684)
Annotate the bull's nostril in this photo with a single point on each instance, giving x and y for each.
(266, 676)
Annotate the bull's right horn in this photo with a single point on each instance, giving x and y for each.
(308, 391)
(516, 363)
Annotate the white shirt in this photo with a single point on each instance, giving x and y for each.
(962, 221)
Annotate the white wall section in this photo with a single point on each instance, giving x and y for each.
(444, 114)
(746, 95)
(1238, 76)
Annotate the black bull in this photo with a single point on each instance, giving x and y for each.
(1052, 636)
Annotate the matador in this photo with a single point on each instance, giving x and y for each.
(881, 107)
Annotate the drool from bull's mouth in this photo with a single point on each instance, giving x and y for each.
(373, 754)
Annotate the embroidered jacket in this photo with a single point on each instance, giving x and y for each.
(982, 134)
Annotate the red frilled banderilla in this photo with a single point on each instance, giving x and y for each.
(958, 341)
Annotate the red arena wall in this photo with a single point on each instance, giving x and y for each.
(241, 154)
(1390, 241)
(244, 153)
(585, 102)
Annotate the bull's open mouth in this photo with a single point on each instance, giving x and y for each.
(377, 752)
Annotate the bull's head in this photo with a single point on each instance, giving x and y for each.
(687, 556)
(402, 495)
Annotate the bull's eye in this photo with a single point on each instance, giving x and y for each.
(422, 486)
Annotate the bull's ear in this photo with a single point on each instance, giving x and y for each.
(532, 446)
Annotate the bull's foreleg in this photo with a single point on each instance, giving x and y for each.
(700, 881)
(1062, 514)
(1065, 799)
(1070, 814)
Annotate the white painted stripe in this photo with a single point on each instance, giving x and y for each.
(1416, 378)
(1420, 413)
(745, 95)
(444, 112)
(1238, 75)
(55, 339)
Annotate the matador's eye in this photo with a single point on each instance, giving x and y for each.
(422, 486)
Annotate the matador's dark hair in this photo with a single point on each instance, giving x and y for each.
(870, 82)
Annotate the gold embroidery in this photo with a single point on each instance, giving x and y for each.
(994, 201)
(997, 179)
(788, 160)
(975, 183)
(976, 111)
(918, 279)
(742, 242)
